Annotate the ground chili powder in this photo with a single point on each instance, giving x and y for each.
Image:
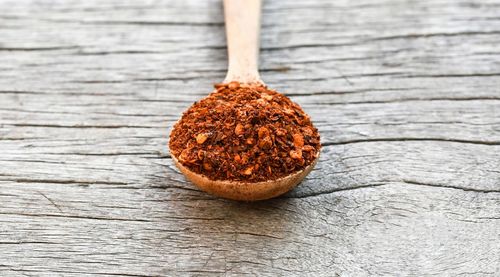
(244, 133)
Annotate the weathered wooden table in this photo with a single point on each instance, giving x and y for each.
(406, 95)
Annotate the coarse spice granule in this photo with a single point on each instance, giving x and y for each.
(244, 133)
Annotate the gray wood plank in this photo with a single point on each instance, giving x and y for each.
(377, 231)
(406, 96)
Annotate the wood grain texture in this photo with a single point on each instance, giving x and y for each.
(406, 95)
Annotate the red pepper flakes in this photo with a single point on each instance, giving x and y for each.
(244, 133)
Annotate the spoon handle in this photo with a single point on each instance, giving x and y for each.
(242, 19)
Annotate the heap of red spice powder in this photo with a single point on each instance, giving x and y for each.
(244, 133)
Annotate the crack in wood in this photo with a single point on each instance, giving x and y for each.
(32, 49)
(405, 139)
(24, 272)
(385, 183)
(80, 126)
(451, 187)
(452, 75)
(60, 181)
(429, 35)
(404, 100)
(71, 216)
(51, 201)
(143, 23)
(319, 193)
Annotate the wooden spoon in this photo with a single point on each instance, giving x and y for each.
(242, 19)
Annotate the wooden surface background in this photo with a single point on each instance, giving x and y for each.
(406, 95)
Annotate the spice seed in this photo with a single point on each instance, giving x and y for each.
(296, 154)
(248, 170)
(308, 148)
(239, 130)
(237, 158)
(207, 166)
(201, 138)
(281, 132)
(265, 143)
(233, 85)
(298, 140)
(267, 97)
(263, 132)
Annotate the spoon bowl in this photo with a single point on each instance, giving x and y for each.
(242, 18)
(246, 191)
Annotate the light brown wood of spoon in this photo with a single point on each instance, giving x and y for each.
(242, 19)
